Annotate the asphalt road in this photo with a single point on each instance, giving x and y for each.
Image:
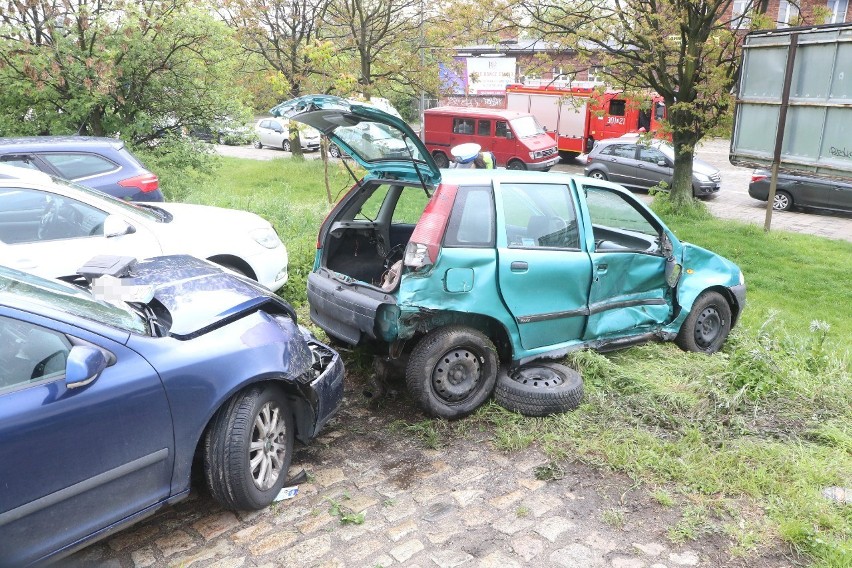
(732, 202)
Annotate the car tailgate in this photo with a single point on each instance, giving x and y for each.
(345, 308)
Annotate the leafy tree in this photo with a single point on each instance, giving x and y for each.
(285, 36)
(685, 50)
(104, 67)
(384, 38)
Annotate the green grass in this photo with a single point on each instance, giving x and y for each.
(290, 194)
(753, 433)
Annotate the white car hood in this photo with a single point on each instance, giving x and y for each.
(204, 216)
(204, 225)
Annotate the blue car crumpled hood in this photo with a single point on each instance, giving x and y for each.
(198, 294)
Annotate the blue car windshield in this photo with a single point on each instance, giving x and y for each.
(67, 298)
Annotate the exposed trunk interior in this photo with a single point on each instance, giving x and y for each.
(365, 254)
(372, 229)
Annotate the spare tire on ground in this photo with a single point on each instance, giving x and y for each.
(539, 389)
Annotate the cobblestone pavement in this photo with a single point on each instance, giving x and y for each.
(466, 504)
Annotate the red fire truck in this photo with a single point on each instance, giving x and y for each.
(577, 116)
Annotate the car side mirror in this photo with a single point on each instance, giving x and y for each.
(509, 135)
(83, 366)
(663, 163)
(673, 271)
(115, 226)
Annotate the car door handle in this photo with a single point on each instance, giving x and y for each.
(640, 165)
(602, 267)
(519, 266)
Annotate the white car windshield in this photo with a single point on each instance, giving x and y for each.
(666, 149)
(526, 126)
(150, 212)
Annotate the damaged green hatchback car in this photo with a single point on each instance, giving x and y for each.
(460, 270)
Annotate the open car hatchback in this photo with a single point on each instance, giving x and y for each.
(453, 272)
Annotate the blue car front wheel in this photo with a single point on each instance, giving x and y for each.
(248, 448)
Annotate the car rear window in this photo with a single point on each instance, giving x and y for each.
(472, 220)
(74, 165)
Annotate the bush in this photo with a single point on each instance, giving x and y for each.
(182, 164)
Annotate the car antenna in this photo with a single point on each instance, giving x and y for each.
(416, 167)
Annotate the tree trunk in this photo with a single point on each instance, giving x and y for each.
(96, 123)
(295, 141)
(681, 192)
(684, 140)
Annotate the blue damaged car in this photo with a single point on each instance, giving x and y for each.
(457, 271)
(109, 398)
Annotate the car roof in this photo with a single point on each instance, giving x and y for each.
(629, 139)
(473, 111)
(470, 176)
(57, 143)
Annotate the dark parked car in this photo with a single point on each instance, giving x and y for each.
(109, 398)
(104, 164)
(642, 165)
(462, 270)
(802, 191)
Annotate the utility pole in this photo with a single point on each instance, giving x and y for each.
(422, 66)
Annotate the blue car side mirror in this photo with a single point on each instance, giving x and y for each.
(84, 365)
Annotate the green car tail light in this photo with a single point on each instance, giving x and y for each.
(425, 242)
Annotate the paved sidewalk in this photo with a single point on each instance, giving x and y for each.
(734, 202)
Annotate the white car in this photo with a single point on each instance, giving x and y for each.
(51, 227)
(274, 132)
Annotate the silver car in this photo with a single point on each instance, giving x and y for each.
(637, 164)
(275, 132)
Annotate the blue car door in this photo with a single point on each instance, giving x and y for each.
(74, 461)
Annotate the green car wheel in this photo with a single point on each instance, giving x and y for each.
(539, 389)
(452, 371)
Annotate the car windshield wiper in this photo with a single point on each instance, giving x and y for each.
(158, 329)
(164, 215)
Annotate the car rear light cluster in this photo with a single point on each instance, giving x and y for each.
(757, 177)
(146, 183)
(425, 242)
